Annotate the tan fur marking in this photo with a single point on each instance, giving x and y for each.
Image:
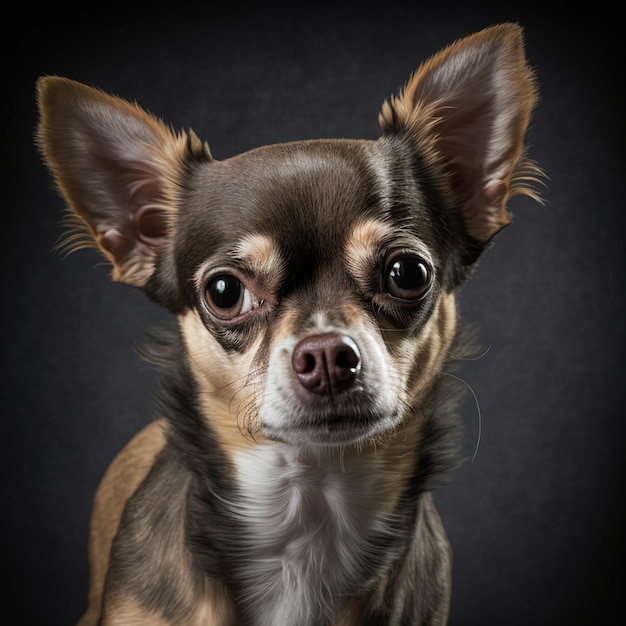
(363, 244)
(435, 340)
(418, 366)
(215, 609)
(227, 386)
(284, 326)
(260, 254)
(130, 613)
(120, 481)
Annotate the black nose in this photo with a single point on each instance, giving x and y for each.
(326, 364)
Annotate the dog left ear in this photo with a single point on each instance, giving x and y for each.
(465, 112)
(120, 170)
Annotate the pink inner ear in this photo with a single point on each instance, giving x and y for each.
(151, 224)
(113, 241)
(481, 197)
(149, 219)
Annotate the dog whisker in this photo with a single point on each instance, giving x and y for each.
(460, 357)
(478, 411)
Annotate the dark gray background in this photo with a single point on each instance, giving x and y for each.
(537, 520)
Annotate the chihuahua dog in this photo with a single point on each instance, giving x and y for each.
(304, 420)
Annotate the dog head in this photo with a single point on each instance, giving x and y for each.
(313, 281)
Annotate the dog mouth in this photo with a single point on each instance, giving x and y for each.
(340, 426)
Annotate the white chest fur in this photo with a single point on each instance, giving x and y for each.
(308, 524)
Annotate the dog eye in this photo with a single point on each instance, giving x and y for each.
(227, 297)
(408, 278)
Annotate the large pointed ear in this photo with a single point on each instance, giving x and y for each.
(118, 167)
(465, 112)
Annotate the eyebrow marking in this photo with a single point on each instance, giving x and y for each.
(372, 238)
(363, 246)
(260, 253)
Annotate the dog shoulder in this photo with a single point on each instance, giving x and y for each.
(415, 588)
(420, 584)
(127, 471)
(152, 569)
(121, 480)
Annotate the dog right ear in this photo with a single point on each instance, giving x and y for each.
(118, 167)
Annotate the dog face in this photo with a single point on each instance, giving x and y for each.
(313, 281)
(316, 283)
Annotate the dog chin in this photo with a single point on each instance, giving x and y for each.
(329, 430)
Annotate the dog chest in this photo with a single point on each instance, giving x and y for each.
(311, 525)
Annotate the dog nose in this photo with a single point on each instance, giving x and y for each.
(326, 364)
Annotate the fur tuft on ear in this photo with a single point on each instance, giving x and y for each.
(466, 111)
(119, 169)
